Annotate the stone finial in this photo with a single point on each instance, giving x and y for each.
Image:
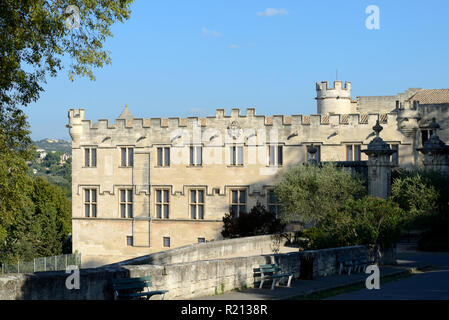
(312, 150)
(434, 126)
(378, 146)
(377, 128)
(126, 114)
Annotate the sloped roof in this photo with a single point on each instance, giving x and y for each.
(126, 114)
(431, 96)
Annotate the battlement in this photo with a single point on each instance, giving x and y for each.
(336, 100)
(222, 120)
(323, 87)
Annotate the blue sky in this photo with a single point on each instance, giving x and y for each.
(187, 58)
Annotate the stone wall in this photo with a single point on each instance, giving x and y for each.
(208, 251)
(183, 280)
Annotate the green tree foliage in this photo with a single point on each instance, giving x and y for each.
(34, 37)
(309, 193)
(365, 221)
(40, 226)
(15, 149)
(424, 195)
(258, 221)
(416, 194)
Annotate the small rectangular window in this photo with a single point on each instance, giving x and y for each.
(353, 152)
(236, 155)
(90, 157)
(196, 156)
(127, 157)
(163, 156)
(201, 240)
(275, 155)
(166, 241)
(129, 240)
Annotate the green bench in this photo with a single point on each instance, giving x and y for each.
(357, 263)
(274, 273)
(134, 288)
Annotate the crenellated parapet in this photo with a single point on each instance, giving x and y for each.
(164, 130)
(333, 100)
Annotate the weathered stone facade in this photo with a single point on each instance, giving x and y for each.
(145, 185)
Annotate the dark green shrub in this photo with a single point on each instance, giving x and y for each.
(364, 221)
(258, 221)
(424, 196)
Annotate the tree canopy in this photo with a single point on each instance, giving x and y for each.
(307, 193)
(36, 34)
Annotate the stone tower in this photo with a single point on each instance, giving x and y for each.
(336, 100)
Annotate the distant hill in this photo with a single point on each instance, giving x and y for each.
(54, 145)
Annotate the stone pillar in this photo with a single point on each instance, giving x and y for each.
(436, 153)
(379, 166)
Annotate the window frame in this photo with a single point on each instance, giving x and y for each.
(238, 204)
(163, 242)
(89, 203)
(126, 157)
(127, 203)
(193, 156)
(278, 150)
(162, 204)
(353, 151)
(197, 204)
(270, 204)
(235, 151)
(90, 161)
(163, 159)
(318, 153)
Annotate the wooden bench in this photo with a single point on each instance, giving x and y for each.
(345, 263)
(134, 288)
(272, 272)
(361, 262)
(357, 263)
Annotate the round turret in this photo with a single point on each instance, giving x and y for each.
(336, 100)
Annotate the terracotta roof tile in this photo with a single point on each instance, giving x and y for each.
(431, 96)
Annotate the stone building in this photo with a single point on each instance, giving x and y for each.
(146, 185)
